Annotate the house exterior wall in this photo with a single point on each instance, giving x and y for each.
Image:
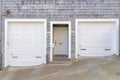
(0, 34)
(56, 10)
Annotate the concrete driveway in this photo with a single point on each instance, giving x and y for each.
(86, 68)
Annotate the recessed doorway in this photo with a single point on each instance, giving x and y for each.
(60, 41)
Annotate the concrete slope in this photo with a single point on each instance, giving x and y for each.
(86, 68)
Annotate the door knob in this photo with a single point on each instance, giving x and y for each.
(55, 42)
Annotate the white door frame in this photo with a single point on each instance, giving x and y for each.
(116, 40)
(51, 37)
(7, 21)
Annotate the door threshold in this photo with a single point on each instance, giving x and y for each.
(60, 58)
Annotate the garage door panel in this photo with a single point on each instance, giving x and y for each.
(108, 37)
(27, 43)
(91, 41)
(26, 57)
(26, 51)
(92, 44)
(19, 63)
(24, 36)
(103, 39)
(104, 34)
(95, 40)
(21, 48)
(95, 50)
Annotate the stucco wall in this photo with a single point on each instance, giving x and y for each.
(57, 10)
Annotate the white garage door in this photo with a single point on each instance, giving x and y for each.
(95, 38)
(26, 43)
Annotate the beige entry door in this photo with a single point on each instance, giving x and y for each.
(60, 38)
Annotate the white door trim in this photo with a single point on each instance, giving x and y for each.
(6, 56)
(51, 37)
(116, 41)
